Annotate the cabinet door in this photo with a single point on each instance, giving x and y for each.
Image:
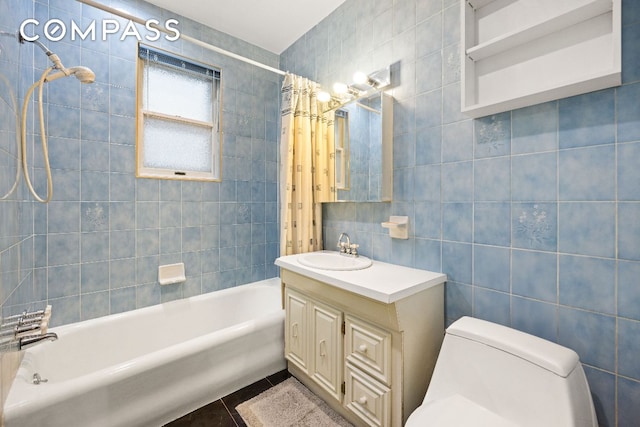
(367, 398)
(327, 358)
(369, 348)
(296, 333)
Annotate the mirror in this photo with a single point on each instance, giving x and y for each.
(364, 149)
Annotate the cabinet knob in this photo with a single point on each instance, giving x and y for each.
(362, 348)
(362, 400)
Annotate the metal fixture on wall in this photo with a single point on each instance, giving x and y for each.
(363, 86)
(183, 36)
(57, 71)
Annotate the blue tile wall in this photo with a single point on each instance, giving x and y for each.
(533, 214)
(96, 247)
(17, 280)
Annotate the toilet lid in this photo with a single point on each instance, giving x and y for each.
(455, 411)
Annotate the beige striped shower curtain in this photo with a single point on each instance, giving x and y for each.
(307, 171)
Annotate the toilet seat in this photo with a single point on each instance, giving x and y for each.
(455, 411)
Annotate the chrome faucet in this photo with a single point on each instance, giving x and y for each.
(342, 245)
(347, 248)
(25, 330)
(33, 340)
(20, 325)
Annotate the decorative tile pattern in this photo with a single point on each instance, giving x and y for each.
(534, 225)
(493, 135)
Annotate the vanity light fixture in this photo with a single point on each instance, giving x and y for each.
(340, 88)
(363, 85)
(324, 96)
(360, 78)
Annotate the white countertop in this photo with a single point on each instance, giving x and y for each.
(381, 281)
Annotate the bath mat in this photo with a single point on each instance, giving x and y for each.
(289, 404)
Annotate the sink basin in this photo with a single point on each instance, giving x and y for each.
(334, 261)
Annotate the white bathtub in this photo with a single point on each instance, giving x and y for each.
(149, 366)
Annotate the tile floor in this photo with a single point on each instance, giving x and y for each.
(222, 412)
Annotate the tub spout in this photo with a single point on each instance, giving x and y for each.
(32, 340)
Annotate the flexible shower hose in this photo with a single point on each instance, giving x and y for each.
(43, 137)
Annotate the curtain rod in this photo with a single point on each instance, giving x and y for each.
(183, 37)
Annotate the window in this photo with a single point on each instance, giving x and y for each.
(178, 121)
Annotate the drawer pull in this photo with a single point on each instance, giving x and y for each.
(362, 348)
(362, 400)
(294, 330)
(323, 348)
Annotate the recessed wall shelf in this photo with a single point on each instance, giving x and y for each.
(517, 53)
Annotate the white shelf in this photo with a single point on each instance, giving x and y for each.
(518, 53)
(563, 90)
(539, 29)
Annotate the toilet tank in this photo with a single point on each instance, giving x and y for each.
(522, 378)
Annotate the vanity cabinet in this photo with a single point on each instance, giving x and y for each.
(367, 371)
(295, 328)
(315, 340)
(369, 360)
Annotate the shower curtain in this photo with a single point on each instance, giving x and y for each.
(307, 172)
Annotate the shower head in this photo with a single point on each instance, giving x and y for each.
(84, 74)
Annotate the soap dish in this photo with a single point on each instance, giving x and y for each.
(171, 273)
(398, 226)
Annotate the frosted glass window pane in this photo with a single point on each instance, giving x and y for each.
(178, 94)
(176, 146)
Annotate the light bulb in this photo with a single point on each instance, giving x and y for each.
(324, 96)
(360, 78)
(340, 88)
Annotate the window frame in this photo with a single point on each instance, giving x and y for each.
(342, 149)
(142, 171)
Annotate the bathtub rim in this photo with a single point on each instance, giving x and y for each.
(36, 397)
(272, 282)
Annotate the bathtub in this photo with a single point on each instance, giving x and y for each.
(149, 366)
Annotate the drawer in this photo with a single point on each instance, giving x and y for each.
(367, 398)
(369, 348)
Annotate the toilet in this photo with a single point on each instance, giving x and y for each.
(491, 375)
